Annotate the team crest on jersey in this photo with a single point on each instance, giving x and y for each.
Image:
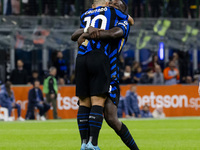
(85, 43)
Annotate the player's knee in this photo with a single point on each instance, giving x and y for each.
(98, 100)
(110, 119)
(84, 101)
(98, 103)
(111, 122)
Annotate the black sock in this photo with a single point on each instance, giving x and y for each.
(83, 123)
(95, 122)
(127, 138)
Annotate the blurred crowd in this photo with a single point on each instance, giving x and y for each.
(137, 8)
(177, 70)
(57, 75)
(36, 100)
(38, 7)
(131, 72)
(164, 8)
(20, 76)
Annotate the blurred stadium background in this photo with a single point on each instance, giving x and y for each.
(34, 31)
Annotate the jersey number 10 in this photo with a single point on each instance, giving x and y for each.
(92, 22)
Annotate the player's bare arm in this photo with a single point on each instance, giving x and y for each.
(77, 34)
(130, 20)
(111, 34)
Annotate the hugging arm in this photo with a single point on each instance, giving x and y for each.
(108, 34)
(77, 34)
(130, 20)
(97, 34)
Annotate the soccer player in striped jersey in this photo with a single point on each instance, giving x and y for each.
(93, 72)
(120, 34)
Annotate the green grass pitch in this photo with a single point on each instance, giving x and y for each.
(168, 134)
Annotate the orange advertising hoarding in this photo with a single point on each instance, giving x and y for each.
(66, 101)
(178, 100)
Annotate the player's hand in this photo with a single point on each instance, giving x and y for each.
(93, 32)
(95, 35)
(81, 39)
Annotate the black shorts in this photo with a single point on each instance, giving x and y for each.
(92, 74)
(114, 93)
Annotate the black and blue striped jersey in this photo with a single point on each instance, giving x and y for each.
(116, 49)
(102, 18)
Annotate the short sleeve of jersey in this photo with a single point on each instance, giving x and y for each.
(124, 25)
(121, 15)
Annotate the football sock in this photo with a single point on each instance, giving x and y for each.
(95, 123)
(83, 123)
(127, 138)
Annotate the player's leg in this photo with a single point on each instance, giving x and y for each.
(110, 114)
(96, 118)
(82, 91)
(99, 70)
(83, 118)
